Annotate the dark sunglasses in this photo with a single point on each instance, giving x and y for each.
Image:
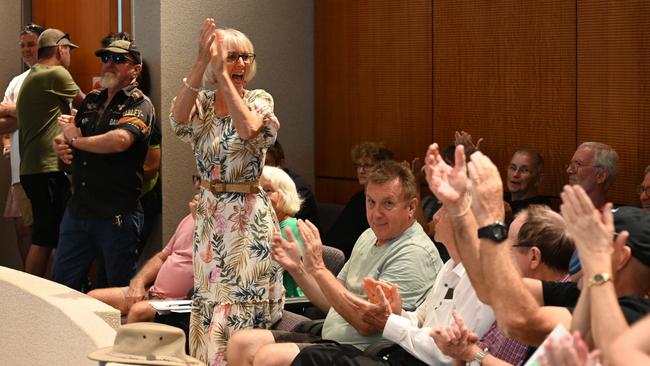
(32, 28)
(116, 58)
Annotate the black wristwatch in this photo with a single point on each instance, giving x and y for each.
(497, 232)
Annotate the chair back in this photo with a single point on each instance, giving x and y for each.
(333, 258)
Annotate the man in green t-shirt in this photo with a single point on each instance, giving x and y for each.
(46, 93)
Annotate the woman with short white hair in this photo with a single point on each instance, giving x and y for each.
(286, 201)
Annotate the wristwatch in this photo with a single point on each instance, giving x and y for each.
(497, 232)
(599, 279)
(478, 358)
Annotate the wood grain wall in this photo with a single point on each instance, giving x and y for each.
(87, 22)
(547, 75)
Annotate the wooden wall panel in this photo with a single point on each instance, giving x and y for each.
(373, 80)
(614, 85)
(506, 71)
(87, 22)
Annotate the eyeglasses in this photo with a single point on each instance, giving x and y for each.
(576, 164)
(32, 28)
(115, 57)
(65, 36)
(234, 56)
(519, 168)
(640, 189)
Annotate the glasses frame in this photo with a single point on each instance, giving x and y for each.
(640, 189)
(578, 164)
(117, 58)
(246, 57)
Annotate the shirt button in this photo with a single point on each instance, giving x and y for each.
(83, 184)
(86, 163)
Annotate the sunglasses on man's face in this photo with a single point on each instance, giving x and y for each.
(116, 58)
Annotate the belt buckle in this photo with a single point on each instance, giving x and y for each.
(218, 187)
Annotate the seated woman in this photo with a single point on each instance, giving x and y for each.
(282, 193)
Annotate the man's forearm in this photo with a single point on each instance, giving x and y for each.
(467, 243)
(147, 275)
(114, 141)
(335, 292)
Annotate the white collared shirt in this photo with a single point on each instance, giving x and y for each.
(451, 291)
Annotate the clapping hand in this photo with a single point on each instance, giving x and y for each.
(312, 246)
(286, 251)
(456, 340)
(487, 190)
(449, 184)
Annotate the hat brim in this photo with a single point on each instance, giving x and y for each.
(106, 354)
(111, 50)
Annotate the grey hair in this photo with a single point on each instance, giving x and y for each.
(605, 157)
(232, 38)
(283, 184)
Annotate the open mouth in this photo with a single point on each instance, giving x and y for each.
(237, 78)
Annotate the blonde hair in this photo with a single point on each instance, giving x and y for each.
(232, 39)
(283, 184)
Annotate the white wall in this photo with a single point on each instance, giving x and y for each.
(282, 32)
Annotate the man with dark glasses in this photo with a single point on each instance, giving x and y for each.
(106, 143)
(45, 94)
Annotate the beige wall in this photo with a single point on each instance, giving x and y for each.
(10, 66)
(282, 32)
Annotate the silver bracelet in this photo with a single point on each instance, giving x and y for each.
(190, 87)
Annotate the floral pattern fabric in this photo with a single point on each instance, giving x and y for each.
(236, 283)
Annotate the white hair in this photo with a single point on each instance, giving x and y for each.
(283, 184)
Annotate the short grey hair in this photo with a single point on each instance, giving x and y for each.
(604, 157)
(647, 170)
(283, 184)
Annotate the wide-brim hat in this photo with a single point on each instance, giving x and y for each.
(121, 46)
(53, 37)
(147, 344)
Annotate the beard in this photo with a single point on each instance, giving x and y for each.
(109, 80)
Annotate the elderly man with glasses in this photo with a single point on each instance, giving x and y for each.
(46, 93)
(593, 167)
(106, 143)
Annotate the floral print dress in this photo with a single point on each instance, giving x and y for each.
(236, 284)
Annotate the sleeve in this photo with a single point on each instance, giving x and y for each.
(261, 103)
(415, 340)
(156, 135)
(413, 270)
(563, 294)
(64, 86)
(138, 119)
(202, 111)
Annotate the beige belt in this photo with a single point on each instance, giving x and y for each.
(218, 187)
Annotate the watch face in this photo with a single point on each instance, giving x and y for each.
(497, 232)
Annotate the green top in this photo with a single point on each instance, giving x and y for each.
(45, 94)
(290, 285)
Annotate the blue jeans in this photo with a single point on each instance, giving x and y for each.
(115, 240)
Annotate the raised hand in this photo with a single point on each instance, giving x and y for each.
(456, 340)
(465, 139)
(487, 190)
(569, 351)
(449, 184)
(207, 36)
(312, 246)
(391, 292)
(375, 315)
(286, 252)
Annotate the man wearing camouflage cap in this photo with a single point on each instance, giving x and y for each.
(106, 143)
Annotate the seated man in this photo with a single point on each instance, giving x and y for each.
(410, 329)
(525, 173)
(352, 221)
(170, 271)
(394, 250)
(541, 248)
(528, 310)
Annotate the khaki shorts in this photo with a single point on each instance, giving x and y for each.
(18, 205)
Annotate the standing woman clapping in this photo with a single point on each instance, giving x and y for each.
(236, 284)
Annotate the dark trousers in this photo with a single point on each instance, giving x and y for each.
(347, 355)
(82, 240)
